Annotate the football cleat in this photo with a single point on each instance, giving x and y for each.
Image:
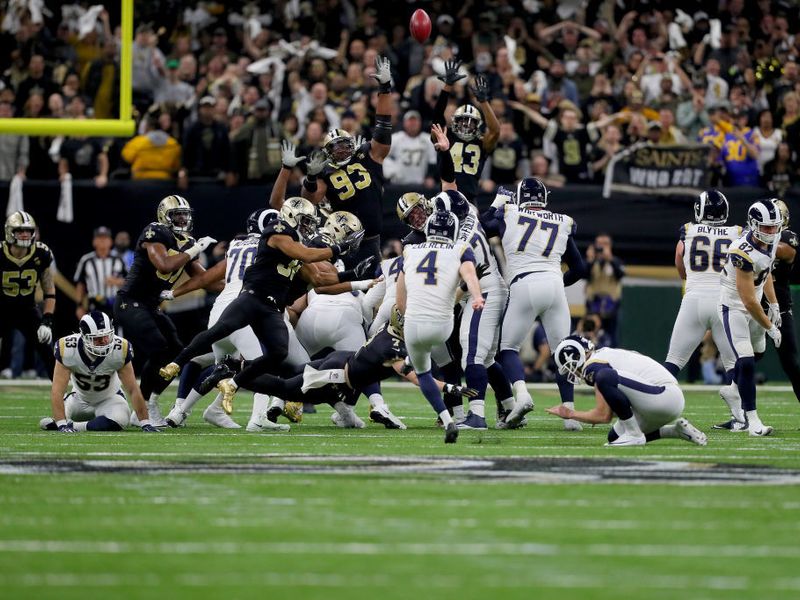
(348, 418)
(154, 414)
(627, 439)
(572, 425)
(176, 417)
(502, 415)
(732, 425)
(382, 414)
(221, 371)
(690, 433)
(759, 430)
(228, 388)
(293, 411)
(451, 433)
(48, 424)
(218, 418)
(472, 421)
(170, 372)
(521, 408)
(263, 425)
(309, 409)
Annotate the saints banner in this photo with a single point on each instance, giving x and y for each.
(664, 170)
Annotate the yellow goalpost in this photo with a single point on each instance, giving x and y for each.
(122, 127)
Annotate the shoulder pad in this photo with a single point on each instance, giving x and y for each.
(156, 232)
(43, 246)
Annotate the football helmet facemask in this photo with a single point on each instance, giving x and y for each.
(442, 226)
(339, 146)
(301, 215)
(571, 356)
(413, 209)
(711, 208)
(176, 213)
(20, 222)
(97, 333)
(765, 221)
(466, 122)
(339, 225)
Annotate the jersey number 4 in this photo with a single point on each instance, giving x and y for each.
(345, 186)
(427, 266)
(550, 228)
(701, 254)
(19, 283)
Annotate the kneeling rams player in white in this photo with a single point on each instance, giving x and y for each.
(426, 294)
(643, 395)
(94, 361)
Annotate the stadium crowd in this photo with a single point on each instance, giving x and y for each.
(218, 86)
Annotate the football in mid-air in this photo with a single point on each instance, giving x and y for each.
(420, 25)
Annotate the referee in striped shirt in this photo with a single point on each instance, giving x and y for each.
(99, 275)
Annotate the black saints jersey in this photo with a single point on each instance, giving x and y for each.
(144, 283)
(782, 271)
(20, 275)
(270, 276)
(373, 361)
(357, 187)
(468, 161)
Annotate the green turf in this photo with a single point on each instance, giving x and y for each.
(392, 535)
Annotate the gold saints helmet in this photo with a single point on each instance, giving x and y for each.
(784, 210)
(339, 225)
(466, 122)
(339, 146)
(176, 213)
(20, 221)
(301, 215)
(396, 322)
(413, 209)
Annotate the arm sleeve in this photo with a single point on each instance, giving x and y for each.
(447, 170)
(438, 110)
(577, 267)
(468, 255)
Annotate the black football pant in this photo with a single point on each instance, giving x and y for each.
(267, 323)
(26, 320)
(291, 388)
(787, 353)
(152, 334)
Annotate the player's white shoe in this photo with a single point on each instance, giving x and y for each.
(263, 425)
(628, 439)
(216, 416)
(690, 433)
(759, 429)
(572, 425)
(154, 413)
(176, 417)
(521, 408)
(381, 414)
(348, 418)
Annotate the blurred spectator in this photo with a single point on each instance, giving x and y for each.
(692, 115)
(670, 134)
(256, 149)
(13, 148)
(412, 158)
(604, 284)
(540, 168)
(558, 87)
(590, 326)
(122, 248)
(781, 172)
(206, 145)
(172, 89)
(739, 153)
(610, 143)
(38, 80)
(99, 275)
(662, 68)
(153, 155)
(539, 371)
(148, 66)
(509, 160)
(767, 137)
(102, 83)
(84, 158)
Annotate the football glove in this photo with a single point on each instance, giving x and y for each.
(45, 332)
(348, 244)
(67, 427)
(147, 427)
(166, 295)
(774, 314)
(451, 72)
(316, 163)
(481, 89)
(366, 268)
(460, 390)
(480, 271)
(775, 334)
(383, 74)
(200, 246)
(288, 158)
(359, 141)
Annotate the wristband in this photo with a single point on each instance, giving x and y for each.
(47, 319)
(310, 183)
(46, 296)
(385, 88)
(193, 251)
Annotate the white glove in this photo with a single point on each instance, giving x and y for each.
(288, 158)
(501, 200)
(45, 334)
(383, 70)
(166, 295)
(775, 334)
(774, 314)
(200, 246)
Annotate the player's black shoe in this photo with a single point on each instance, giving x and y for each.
(451, 433)
(220, 372)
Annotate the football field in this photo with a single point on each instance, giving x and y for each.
(322, 512)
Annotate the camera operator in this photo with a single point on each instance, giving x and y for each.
(604, 284)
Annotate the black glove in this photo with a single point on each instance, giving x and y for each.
(348, 244)
(481, 89)
(148, 428)
(460, 390)
(480, 271)
(366, 268)
(67, 428)
(451, 74)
